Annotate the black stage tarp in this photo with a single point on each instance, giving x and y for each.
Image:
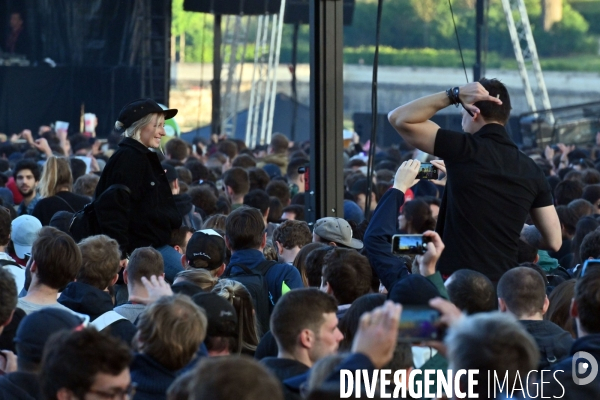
(30, 97)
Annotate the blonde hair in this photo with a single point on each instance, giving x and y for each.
(100, 258)
(170, 330)
(239, 297)
(56, 176)
(200, 277)
(135, 129)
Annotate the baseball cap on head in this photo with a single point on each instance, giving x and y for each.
(24, 232)
(221, 316)
(139, 108)
(36, 328)
(206, 245)
(337, 230)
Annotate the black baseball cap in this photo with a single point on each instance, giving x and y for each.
(221, 316)
(139, 108)
(36, 328)
(206, 245)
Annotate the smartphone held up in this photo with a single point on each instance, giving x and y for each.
(409, 244)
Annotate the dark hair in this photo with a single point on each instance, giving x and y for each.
(179, 235)
(491, 111)
(57, 257)
(590, 246)
(348, 273)
(204, 198)
(590, 176)
(581, 208)
(280, 190)
(296, 209)
(229, 148)
(418, 213)
(144, 262)
(8, 295)
(183, 174)
(471, 291)
(244, 161)
(587, 297)
(78, 168)
(349, 323)
(177, 149)
(567, 191)
(29, 164)
(237, 179)
(258, 199)
(583, 227)
(213, 379)
(245, 228)
(301, 257)
(275, 210)
(567, 219)
(291, 315)
(223, 205)
(259, 179)
(292, 233)
(523, 290)
(314, 265)
(198, 170)
(527, 252)
(292, 168)
(560, 305)
(86, 184)
(591, 193)
(72, 360)
(5, 225)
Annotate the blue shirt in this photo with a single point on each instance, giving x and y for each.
(28, 210)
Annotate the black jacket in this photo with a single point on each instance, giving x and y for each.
(152, 213)
(567, 389)
(87, 299)
(553, 342)
(151, 378)
(283, 369)
(20, 386)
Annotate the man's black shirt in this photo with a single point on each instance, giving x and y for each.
(490, 190)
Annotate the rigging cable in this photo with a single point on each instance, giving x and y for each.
(458, 40)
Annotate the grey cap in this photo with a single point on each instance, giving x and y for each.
(337, 230)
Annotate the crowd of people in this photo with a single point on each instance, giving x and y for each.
(152, 269)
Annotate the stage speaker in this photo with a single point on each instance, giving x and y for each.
(296, 11)
(233, 7)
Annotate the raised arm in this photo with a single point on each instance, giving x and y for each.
(412, 120)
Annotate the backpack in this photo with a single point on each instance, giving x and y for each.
(4, 263)
(256, 283)
(84, 223)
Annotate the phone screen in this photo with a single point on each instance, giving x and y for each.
(427, 171)
(419, 323)
(409, 244)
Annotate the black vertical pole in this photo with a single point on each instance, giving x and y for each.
(326, 192)
(294, 80)
(479, 18)
(216, 82)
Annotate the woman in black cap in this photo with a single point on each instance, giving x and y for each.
(137, 208)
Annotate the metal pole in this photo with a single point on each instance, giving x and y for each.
(478, 67)
(294, 81)
(275, 67)
(326, 194)
(216, 82)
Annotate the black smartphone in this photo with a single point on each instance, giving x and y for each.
(427, 171)
(420, 323)
(409, 244)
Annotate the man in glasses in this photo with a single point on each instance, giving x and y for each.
(491, 186)
(86, 365)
